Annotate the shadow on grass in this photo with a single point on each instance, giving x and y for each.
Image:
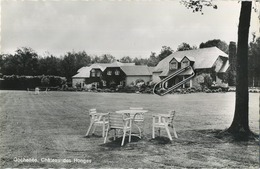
(160, 140)
(117, 142)
(93, 136)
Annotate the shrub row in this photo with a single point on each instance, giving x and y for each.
(14, 82)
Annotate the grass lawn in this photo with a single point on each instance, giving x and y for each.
(52, 127)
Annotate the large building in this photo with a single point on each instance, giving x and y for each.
(206, 61)
(106, 75)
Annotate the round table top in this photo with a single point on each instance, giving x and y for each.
(131, 111)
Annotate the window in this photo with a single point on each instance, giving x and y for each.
(117, 72)
(185, 63)
(98, 74)
(109, 72)
(173, 65)
(93, 73)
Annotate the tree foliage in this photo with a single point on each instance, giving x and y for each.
(165, 51)
(184, 46)
(254, 63)
(222, 45)
(197, 5)
(126, 59)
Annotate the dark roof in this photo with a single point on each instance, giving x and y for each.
(84, 72)
(203, 58)
(136, 70)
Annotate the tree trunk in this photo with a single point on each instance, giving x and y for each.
(240, 121)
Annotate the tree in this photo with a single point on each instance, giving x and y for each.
(106, 58)
(26, 61)
(153, 60)
(240, 124)
(140, 61)
(254, 63)
(68, 66)
(72, 62)
(215, 42)
(184, 46)
(9, 64)
(82, 59)
(165, 51)
(50, 66)
(45, 81)
(126, 59)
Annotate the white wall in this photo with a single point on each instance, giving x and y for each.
(156, 78)
(130, 79)
(77, 80)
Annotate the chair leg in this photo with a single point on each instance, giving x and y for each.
(153, 135)
(90, 126)
(103, 130)
(139, 129)
(123, 140)
(129, 137)
(168, 132)
(174, 132)
(106, 135)
(94, 129)
(153, 128)
(114, 134)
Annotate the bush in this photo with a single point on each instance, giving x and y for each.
(14, 82)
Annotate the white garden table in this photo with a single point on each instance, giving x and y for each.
(135, 117)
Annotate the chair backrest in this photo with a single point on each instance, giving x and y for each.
(92, 111)
(116, 120)
(93, 115)
(172, 114)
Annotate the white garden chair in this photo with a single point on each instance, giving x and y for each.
(117, 121)
(164, 121)
(37, 90)
(97, 119)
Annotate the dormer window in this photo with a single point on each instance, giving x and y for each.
(173, 65)
(185, 62)
(117, 72)
(109, 72)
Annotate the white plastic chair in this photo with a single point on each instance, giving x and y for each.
(117, 121)
(37, 90)
(164, 121)
(97, 119)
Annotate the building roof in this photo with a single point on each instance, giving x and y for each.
(83, 72)
(103, 66)
(203, 58)
(136, 70)
(151, 69)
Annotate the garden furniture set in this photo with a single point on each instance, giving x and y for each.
(126, 120)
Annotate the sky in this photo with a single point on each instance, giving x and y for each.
(120, 28)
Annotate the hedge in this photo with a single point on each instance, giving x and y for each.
(15, 82)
